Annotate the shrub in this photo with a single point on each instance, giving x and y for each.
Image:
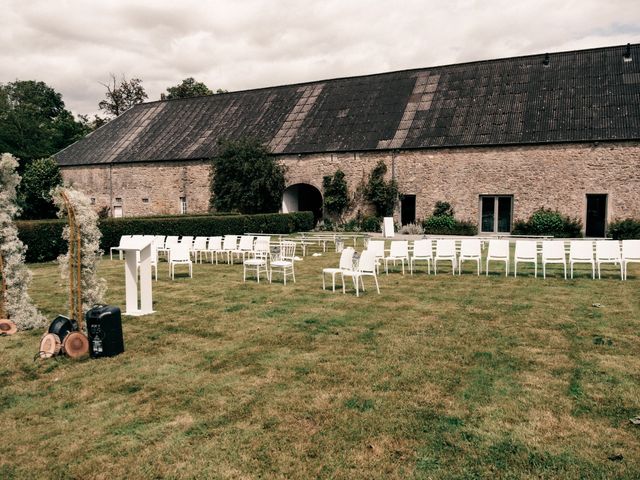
(443, 209)
(44, 237)
(448, 225)
(336, 195)
(411, 229)
(443, 222)
(380, 193)
(627, 229)
(549, 222)
(370, 224)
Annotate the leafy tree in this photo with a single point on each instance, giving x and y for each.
(246, 178)
(380, 193)
(91, 124)
(336, 194)
(188, 88)
(123, 96)
(39, 178)
(34, 122)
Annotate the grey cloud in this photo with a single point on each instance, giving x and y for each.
(74, 45)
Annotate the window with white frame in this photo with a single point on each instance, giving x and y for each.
(183, 205)
(496, 212)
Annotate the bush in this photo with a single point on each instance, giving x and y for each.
(370, 224)
(336, 194)
(411, 229)
(448, 225)
(380, 193)
(627, 229)
(442, 222)
(443, 209)
(44, 237)
(548, 222)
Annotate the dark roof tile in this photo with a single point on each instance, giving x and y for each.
(583, 95)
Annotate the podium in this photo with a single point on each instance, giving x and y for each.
(133, 249)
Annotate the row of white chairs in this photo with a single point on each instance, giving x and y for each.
(526, 251)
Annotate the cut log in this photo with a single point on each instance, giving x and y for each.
(7, 327)
(76, 345)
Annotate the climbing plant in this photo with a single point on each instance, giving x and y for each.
(382, 194)
(15, 302)
(336, 194)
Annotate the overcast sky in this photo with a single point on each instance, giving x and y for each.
(73, 45)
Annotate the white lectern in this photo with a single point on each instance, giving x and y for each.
(132, 248)
(388, 228)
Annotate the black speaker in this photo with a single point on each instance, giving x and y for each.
(62, 326)
(104, 328)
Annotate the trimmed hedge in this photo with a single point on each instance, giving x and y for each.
(44, 237)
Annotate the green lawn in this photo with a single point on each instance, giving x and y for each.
(437, 377)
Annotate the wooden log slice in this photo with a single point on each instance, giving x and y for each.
(7, 327)
(50, 345)
(76, 345)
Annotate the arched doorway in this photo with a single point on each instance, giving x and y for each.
(302, 197)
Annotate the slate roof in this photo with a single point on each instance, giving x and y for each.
(580, 96)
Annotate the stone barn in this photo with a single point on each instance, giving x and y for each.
(497, 139)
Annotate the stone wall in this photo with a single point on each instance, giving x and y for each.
(128, 185)
(553, 176)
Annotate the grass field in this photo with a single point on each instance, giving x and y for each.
(437, 377)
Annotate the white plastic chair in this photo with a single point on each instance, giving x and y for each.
(199, 247)
(159, 241)
(169, 243)
(526, 252)
(180, 255)
(214, 247)
(259, 262)
(399, 251)
(122, 244)
(498, 252)
(581, 251)
(422, 251)
(630, 254)
(553, 252)
(229, 245)
(346, 263)
(245, 246)
(377, 247)
(262, 243)
(470, 250)
(445, 250)
(284, 262)
(366, 268)
(187, 240)
(608, 251)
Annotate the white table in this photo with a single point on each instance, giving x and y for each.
(134, 249)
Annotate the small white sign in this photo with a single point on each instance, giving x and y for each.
(388, 228)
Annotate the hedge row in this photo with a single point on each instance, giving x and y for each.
(44, 237)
